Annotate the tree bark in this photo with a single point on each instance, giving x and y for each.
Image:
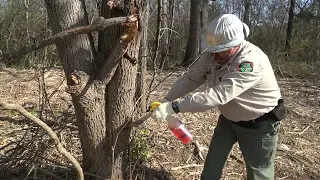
(102, 85)
(164, 37)
(76, 55)
(29, 62)
(203, 19)
(120, 92)
(143, 57)
(318, 9)
(198, 19)
(290, 27)
(246, 14)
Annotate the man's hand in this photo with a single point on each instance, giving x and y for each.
(162, 111)
(156, 104)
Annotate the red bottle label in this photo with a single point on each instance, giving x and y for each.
(182, 134)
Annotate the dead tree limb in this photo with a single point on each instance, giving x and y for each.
(98, 24)
(51, 133)
(140, 121)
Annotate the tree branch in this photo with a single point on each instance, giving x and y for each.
(140, 121)
(107, 70)
(104, 73)
(98, 24)
(51, 133)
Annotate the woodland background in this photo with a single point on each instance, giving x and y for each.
(286, 30)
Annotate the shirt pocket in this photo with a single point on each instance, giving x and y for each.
(219, 75)
(214, 78)
(211, 77)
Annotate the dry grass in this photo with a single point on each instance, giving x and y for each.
(300, 130)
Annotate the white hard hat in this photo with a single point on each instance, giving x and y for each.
(223, 33)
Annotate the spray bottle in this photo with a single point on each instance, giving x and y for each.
(176, 126)
(179, 130)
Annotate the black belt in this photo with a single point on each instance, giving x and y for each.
(277, 114)
(255, 124)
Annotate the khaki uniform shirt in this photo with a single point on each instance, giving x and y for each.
(243, 89)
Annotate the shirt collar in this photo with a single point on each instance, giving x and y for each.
(233, 57)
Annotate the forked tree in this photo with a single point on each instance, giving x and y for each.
(101, 76)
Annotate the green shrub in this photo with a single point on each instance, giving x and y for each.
(139, 148)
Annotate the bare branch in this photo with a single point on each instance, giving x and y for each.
(98, 24)
(51, 133)
(303, 7)
(186, 166)
(140, 121)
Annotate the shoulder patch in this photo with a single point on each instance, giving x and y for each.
(245, 67)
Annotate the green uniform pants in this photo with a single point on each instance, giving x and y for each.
(258, 147)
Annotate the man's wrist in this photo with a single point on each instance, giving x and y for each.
(164, 100)
(175, 106)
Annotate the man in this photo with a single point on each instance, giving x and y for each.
(243, 86)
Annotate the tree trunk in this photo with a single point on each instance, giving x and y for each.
(164, 40)
(120, 93)
(198, 18)
(28, 60)
(290, 27)
(76, 55)
(143, 57)
(171, 27)
(102, 108)
(203, 19)
(246, 14)
(318, 13)
(318, 9)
